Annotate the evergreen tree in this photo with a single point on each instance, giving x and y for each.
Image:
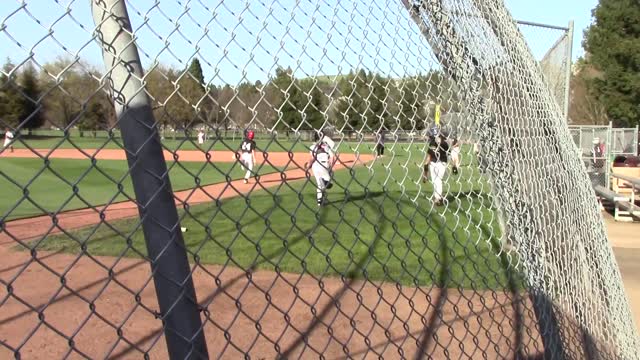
(95, 117)
(289, 112)
(409, 105)
(312, 103)
(377, 113)
(351, 106)
(11, 102)
(31, 108)
(195, 70)
(612, 43)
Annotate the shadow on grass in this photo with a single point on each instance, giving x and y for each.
(431, 326)
(350, 278)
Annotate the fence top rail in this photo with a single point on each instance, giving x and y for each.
(531, 23)
(589, 127)
(633, 180)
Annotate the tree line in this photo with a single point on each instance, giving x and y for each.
(609, 74)
(60, 94)
(69, 93)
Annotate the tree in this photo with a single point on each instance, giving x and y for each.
(613, 48)
(186, 105)
(179, 100)
(69, 85)
(585, 108)
(225, 97)
(288, 111)
(95, 117)
(266, 107)
(409, 106)
(241, 107)
(377, 112)
(32, 112)
(195, 70)
(11, 103)
(313, 104)
(351, 106)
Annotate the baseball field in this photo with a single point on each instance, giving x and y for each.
(379, 226)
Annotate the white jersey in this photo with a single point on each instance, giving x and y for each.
(8, 136)
(200, 137)
(323, 150)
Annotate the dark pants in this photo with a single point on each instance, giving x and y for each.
(380, 149)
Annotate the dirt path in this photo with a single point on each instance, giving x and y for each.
(626, 246)
(54, 304)
(275, 158)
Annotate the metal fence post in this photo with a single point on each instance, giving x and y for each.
(607, 153)
(567, 94)
(158, 213)
(636, 141)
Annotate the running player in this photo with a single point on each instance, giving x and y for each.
(455, 156)
(248, 154)
(436, 165)
(200, 137)
(8, 140)
(322, 154)
(380, 143)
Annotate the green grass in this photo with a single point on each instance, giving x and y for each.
(28, 187)
(379, 226)
(45, 141)
(88, 142)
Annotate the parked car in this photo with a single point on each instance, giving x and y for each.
(626, 161)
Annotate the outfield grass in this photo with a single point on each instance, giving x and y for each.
(106, 143)
(269, 145)
(29, 188)
(379, 225)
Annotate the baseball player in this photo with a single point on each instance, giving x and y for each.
(8, 139)
(436, 165)
(380, 143)
(200, 137)
(322, 153)
(597, 155)
(248, 154)
(455, 156)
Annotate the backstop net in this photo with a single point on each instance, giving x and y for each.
(293, 179)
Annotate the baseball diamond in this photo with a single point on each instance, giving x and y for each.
(353, 179)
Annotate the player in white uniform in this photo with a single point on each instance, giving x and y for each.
(455, 156)
(200, 137)
(248, 155)
(322, 154)
(8, 140)
(436, 165)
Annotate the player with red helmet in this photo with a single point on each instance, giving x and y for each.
(248, 154)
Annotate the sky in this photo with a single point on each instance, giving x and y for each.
(313, 37)
(556, 12)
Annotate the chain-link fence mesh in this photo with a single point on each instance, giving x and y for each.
(600, 145)
(293, 179)
(624, 141)
(594, 144)
(552, 47)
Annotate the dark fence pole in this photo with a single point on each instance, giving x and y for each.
(158, 213)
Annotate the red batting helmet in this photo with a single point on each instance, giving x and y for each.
(250, 134)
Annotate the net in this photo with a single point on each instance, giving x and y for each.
(294, 179)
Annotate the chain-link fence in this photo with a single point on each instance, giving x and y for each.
(624, 141)
(293, 179)
(594, 144)
(552, 46)
(600, 145)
